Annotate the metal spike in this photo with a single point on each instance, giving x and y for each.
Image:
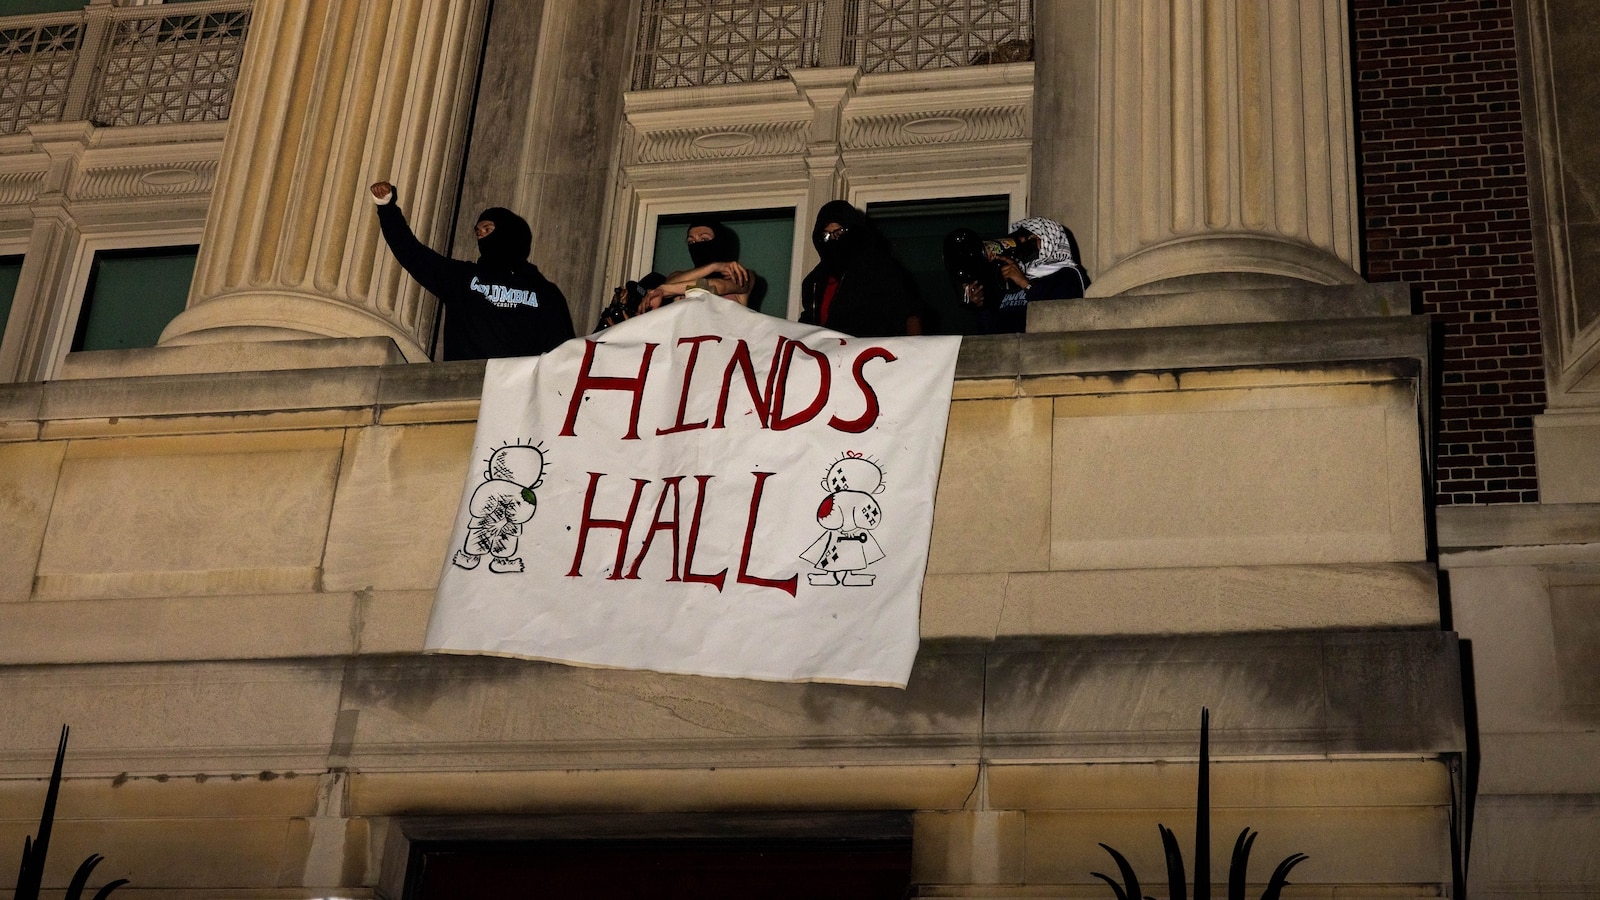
(1117, 888)
(1177, 884)
(1130, 881)
(1202, 813)
(80, 878)
(1280, 875)
(24, 870)
(32, 872)
(1239, 869)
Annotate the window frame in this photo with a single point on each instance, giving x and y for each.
(652, 205)
(1014, 186)
(68, 303)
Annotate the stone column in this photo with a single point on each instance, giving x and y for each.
(568, 152)
(334, 95)
(1226, 145)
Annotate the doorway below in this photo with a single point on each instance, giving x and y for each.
(706, 856)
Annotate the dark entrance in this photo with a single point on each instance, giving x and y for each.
(854, 857)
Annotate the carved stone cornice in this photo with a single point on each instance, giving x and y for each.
(83, 163)
(953, 124)
(975, 105)
(717, 140)
(115, 182)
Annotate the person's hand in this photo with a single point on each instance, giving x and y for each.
(653, 299)
(972, 293)
(1010, 271)
(383, 190)
(737, 274)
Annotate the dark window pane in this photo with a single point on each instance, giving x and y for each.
(917, 229)
(132, 295)
(10, 271)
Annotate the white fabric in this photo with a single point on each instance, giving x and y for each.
(830, 586)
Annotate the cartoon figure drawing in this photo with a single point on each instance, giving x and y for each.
(848, 514)
(500, 506)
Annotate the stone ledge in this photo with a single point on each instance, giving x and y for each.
(256, 356)
(1462, 528)
(1212, 600)
(405, 390)
(1306, 695)
(1217, 307)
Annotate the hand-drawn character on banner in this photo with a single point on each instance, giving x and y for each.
(500, 506)
(848, 514)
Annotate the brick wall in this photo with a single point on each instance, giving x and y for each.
(1445, 193)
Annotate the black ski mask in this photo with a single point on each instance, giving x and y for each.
(723, 246)
(838, 250)
(509, 243)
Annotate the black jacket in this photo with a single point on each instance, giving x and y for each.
(875, 295)
(497, 306)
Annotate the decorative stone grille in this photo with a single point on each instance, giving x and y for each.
(36, 66)
(176, 68)
(909, 35)
(138, 65)
(685, 43)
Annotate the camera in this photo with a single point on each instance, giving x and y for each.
(625, 300)
(969, 260)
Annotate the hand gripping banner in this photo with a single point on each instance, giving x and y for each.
(703, 490)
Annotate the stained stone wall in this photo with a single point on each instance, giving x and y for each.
(222, 582)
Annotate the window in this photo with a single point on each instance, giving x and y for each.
(766, 239)
(132, 295)
(917, 229)
(10, 272)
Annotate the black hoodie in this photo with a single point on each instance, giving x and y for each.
(497, 306)
(874, 296)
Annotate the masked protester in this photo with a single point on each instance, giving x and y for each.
(497, 306)
(1047, 267)
(714, 250)
(858, 287)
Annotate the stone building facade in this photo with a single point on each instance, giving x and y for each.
(1318, 453)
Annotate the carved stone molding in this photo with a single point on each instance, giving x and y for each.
(881, 130)
(18, 188)
(717, 141)
(973, 105)
(113, 182)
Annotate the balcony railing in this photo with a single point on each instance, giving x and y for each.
(684, 43)
(137, 65)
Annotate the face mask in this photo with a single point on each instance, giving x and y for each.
(720, 248)
(836, 247)
(511, 240)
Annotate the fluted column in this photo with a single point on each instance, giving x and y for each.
(1226, 145)
(334, 94)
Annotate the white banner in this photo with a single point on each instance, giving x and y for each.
(706, 490)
